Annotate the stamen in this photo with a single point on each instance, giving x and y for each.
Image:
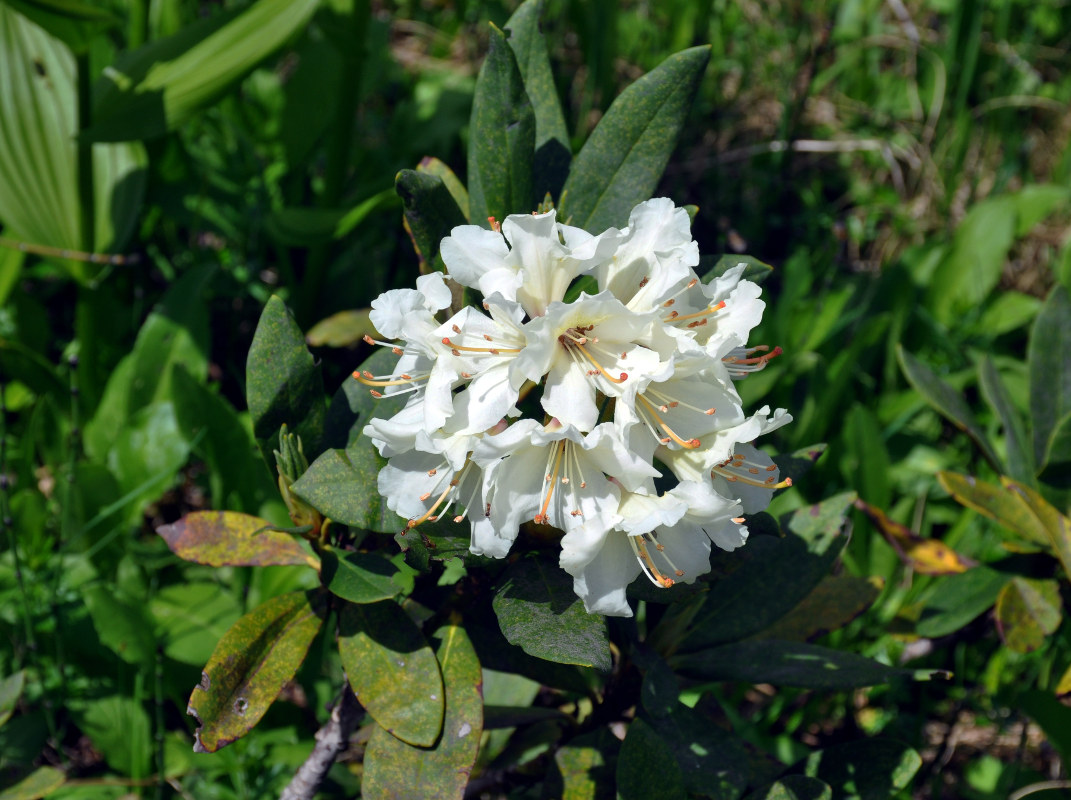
(736, 469)
(740, 361)
(690, 444)
(706, 312)
(551, 480)
(456, 349)
(650, 569)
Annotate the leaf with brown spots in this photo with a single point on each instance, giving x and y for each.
(250, 666)
(925, 556)
(229, 538)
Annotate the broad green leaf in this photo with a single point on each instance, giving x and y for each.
(122, 624)
(10, 692)
(341, 485)
(1036, 201)
(973, 265)
(39, 193)
(1027, 611)
(1050, 374)
(161, 85)
(587, 765)
(305, 227)
(1057, 468)
(250, 666)
(433, 166)
(793, 787)
(392, 670)
(237, 477)
(147, 454)
(646, 767)
(39, 783)
(538, 610)
(283, 384)
(501, 138)
(867, 458)
(958, 599)
(342, 329)
(1052, 715)
(230, 538)
(394, 770)
(832, 604)
(1020, 453)
(790, 664)
(120, 730)
(622, 161)
(869, 769)
(10, 270)
(431, 211)
(552, 149)
(358, 577)
(712, 761)
(74, 22)
(947, 401)
(715, 266)
(741, 604)
(191, 618)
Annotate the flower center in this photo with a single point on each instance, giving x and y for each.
(653, 559)
(585, 350)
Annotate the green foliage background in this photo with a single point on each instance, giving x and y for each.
(904, 167)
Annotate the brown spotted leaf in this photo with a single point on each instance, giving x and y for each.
(251, 664)
(394, 770)
(228, 538)
(925, 556)
(1027, 611)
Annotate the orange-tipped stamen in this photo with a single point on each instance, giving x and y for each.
(690, 444)
(552, 481)
(706, 312)
(495, 351)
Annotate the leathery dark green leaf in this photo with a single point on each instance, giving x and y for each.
(392, 670)
(394, 770)
(622, 161)
(501, 138)
(538, 610)
(250, 666)
(358, 577)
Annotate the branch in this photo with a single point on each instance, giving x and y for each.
(331, 740)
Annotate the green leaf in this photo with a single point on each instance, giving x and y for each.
(123, 625)
(161, 85)
(712, 762)
(1057, 468)
(342, 329)
(229, 538)
(341, 485)
(501, 138)
(431, 211)
(552, 150)
(1020, 454)
(353, 404)
(870, 769)
(958, 599)
(39, 783)
(793, 787)
(250, 666)
(359, 577)
(832, 604)
(283, 383)
(790, 664)
(39, 194)
(741, 604)
(973, 265)
(306, 227)
(1050, 375)
(120, 730)
(1027, 611)
(947, 401)
(191, 618)
(74, 22)
(623, 159)
(587, 766)
(10, 692)
(538, 610)
(394, 770)
(147, 454)
(755, 270)
(646, 767)
(392, 670)
(1052, 715)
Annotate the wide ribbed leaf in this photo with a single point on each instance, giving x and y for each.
(623, 159)
(39, 198)
(228, 538)
(161, 85)
(250, 665)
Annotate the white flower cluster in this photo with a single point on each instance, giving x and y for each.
(638, 375)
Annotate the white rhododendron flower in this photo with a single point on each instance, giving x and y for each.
(555, 407)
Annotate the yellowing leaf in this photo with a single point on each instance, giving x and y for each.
(1027, 611)
(925, 556)
(344, 329)
(1064, 686)
(229, 538)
